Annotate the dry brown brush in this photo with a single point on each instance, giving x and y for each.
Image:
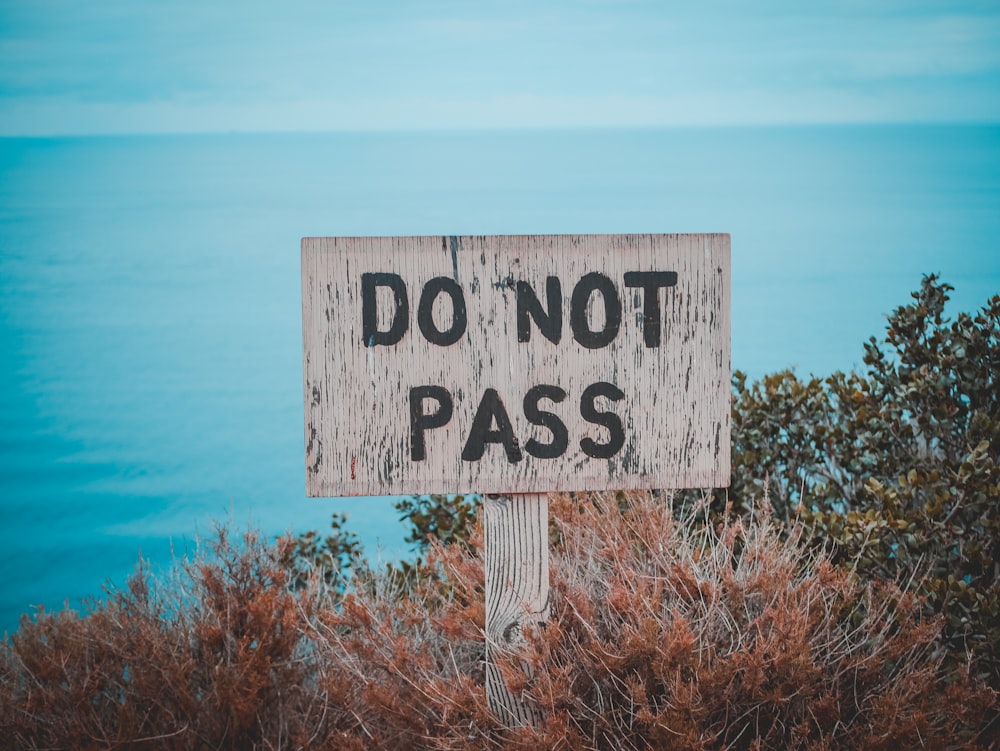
(665, 632)
(214, 657)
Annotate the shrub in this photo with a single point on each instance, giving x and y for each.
(213, 658)
(445, 518)
(898, 468)
(667, 633)
(664, 633)
(333, 557)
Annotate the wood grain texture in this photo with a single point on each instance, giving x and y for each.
(676, 396)
(517, 590)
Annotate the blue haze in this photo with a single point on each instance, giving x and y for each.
(150, 343)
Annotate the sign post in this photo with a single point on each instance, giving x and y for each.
(515, 365)
(516, 542)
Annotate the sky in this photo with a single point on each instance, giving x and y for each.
(140, 66)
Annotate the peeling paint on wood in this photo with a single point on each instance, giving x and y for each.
(470, 369)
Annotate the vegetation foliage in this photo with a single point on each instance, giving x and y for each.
(664, 632)
(897, 468)
(860, 611)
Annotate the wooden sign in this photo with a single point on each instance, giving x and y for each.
(515, 364)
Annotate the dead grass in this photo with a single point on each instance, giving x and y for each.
(665, 633)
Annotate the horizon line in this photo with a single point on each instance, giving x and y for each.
(522, 127)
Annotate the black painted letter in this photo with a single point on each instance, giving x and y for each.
(425, 310)
(369, 309)
(587, 285)
(491, 410)
(420, 421)
(549, 324)
(651, 282)
(611, 421)
(536, 416)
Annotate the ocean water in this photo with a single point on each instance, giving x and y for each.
(150, 343)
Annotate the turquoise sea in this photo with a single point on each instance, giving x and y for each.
(150, 343)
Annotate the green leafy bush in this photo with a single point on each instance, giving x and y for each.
(445, 518)
(332, 558)
(336, 558)
(897, 467)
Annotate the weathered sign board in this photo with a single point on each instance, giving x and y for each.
(515, 364)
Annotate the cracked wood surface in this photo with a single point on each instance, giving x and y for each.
(360, 400)
(516, 530)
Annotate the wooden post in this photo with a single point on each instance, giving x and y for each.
(517, 589)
